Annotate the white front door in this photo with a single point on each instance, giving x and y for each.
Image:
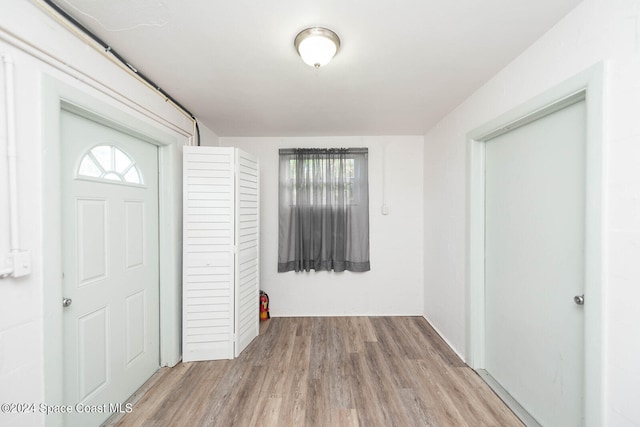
(535, 263)
(110, 267)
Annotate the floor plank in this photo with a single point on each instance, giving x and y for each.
(334, 371)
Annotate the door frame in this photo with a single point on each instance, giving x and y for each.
(587, 85)
(56, 96)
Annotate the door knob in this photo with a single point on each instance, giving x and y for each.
(579, 299)
(66, 302)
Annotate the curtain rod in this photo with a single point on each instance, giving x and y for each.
(352, 150)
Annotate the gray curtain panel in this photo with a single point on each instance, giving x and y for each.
(324, 209)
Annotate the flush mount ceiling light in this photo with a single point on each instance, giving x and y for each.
(317, 45)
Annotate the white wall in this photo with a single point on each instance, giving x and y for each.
(394, 286)
(207, 136)
(596, 30)
(22, 316)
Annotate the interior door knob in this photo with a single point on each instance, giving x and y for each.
(66, 302)
(579, 299)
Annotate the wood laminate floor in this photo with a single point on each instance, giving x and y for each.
(332, 371)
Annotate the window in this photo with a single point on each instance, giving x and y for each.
(324, 210)
(330, 184)
(109, 163)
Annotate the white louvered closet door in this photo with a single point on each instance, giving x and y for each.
(247, 261)
(220, 253)
(208, 258)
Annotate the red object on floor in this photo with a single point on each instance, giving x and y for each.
(264, 306)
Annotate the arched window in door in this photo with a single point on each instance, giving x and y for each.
(109, 163)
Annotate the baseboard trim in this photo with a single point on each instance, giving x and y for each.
(435, 328)
(513, 404)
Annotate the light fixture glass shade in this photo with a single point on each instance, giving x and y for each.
(317, 45)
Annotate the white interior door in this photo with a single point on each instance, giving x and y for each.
(534, 247)
(110, 265)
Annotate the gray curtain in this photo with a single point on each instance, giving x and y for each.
(324, 209)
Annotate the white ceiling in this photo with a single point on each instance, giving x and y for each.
(402, 65)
